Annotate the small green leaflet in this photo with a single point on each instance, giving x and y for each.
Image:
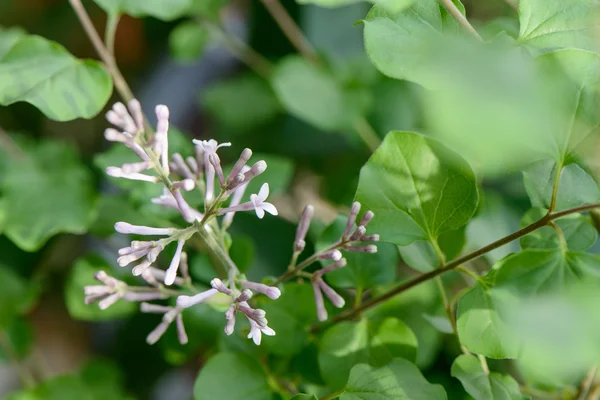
(578, 230)
(46, 75)
(417, 188)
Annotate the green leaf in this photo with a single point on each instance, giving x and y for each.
(549, 24)
(19, 333)
(82, 274)
(398, 380)
(363, 270)
(442, 324)
(63, 388)
(8, 38)
(421, 256)
(288, 317)
(311, 93)
(187, 41)
(576, 187)
(532, 272)
(480, 326)
(47, 193)
(305, 397)
(482, 386)
(46, 75)
(402, 45)
(374, 342)
(417, 188)
(16, 296)
(215, 379)
(578, 230)
(241, 103)
(165, 10)
(390, 5)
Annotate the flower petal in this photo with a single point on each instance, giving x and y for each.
(268, 331)
(263, 193)
(270, 208)
(260, 213)
(254, 200)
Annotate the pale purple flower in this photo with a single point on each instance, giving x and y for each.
(230, 319)
(256, 332)
(117, 172)
(166, 199)
(369, 248)
(216, 163)
(368, 217)
(370, 238)
(334, 255)
(154, 308)
(132, 168)
(135, 108)
(171, 272)
(358, 233)
(126, 228)
(337, 300)
(209, 147)
(331, 267)
(119, 117)
(161, 138)
(186, 184)
(218, 285)
(320, 304)
(244, 296)
(189, 301)
(180, 166)
(161, 328)
(187, 212)
(181, 334)
(354, 210)
(303, 225)
(271, 291)
(239, 165)
(238, 194)
(259, 203)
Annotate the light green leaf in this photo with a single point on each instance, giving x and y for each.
(44, 74)
(312, 93)
(402, 45)
(46, 193)
(482, 386)
(8, 38)
(442, 324)
(399, 380)
(390, 5)
(363, 270)
(549, 24)
(63, 387)
(81, 275)
(289, 316)
(305, 397)
(19, 333)
(241, 103)
(165, 10)
(417, 188)
(480, 326)
(578, 230)
(576, 187)
(532, 272)
(215, 379)
(374, 342)
(187, 41)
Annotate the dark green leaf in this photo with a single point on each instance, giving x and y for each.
(289, 316)
(373, 342)
(231, 376)
(313, 94)
(47, 193)
(482, 386)
(43, 73)
(417, 188)
(241, 103)
(363, 270)
(399, 380)
(187, 41)
(165, 10)
(442, 324)
(16, 296)
(578, 230)
(19, 334)
(421, 255)
(305, 397)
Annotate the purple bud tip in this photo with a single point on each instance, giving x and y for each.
(100, 276)
(355, 209)
(162, 111)
(273, 293)
(369, 215)
(259, 167)
(246, 154)
(336, 255)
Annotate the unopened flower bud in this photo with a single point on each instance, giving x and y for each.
(218, 285)
(303, 225)
(358, 233)
(216, 163)
(154, 308)
(337, 300)
(188, 301)
(135, 108)
(186, 184)
(332, 267)
(244, 296)
(126, 228)
(240, 163)
(331, 255)
(371, 238)
(271, 291)
(354, 210)
(319, 303)
(181, 334)
(370, 248)
(171, 272)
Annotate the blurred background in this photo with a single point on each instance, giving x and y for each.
(211, 94)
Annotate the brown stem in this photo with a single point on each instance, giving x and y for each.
(291, 29)
(460, 18)
(349, 314)
(103, 52)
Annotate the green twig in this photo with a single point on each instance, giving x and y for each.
(460, 18)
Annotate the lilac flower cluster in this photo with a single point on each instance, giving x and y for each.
(203, 172)
(352, 239)
(179, 175)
